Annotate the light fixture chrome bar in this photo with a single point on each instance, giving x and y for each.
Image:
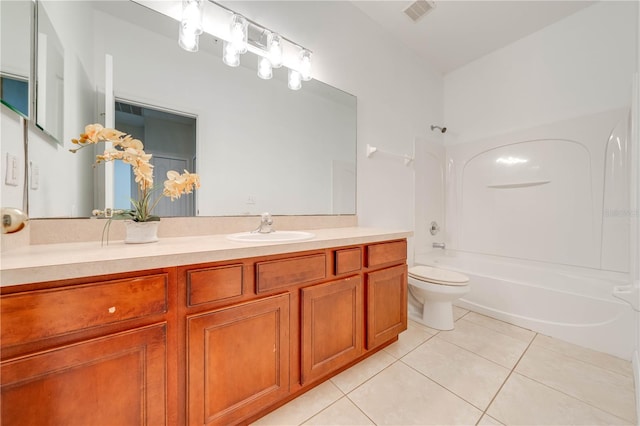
(255, 24)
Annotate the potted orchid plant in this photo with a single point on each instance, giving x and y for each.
(131, 151)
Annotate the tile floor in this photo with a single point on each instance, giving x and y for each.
(484, 372)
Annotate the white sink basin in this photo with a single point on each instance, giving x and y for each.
(272, 237)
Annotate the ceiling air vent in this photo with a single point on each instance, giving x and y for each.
(418, 9)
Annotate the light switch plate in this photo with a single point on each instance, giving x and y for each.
(11, 177)
(35, 176)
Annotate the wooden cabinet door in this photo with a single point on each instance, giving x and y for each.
(119, 379)
(332, 326)
(386, 304)
(238, 360)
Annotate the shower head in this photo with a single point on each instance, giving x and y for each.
(442, 129)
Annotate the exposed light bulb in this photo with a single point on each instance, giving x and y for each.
(192, 16)
(230, 55)
(239, 33)
(305, 65)
(188, 40)
(190, 25)
(295, 80)
(274, 45)
(265, 70)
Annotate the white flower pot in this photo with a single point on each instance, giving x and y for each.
(141, 232)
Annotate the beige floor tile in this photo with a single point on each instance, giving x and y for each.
(342, 412)
(490, 344)
(501, 327)
(599, 359)
(416, 325)
(350, 379)
(303, 407)
(459, 313)
(399, 396)
(523, 401)
(408, 340)
(601, 388)
(473, 378)
(487, 420)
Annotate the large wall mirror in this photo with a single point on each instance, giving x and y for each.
(15, 63)
(259, 146)
(49, 78)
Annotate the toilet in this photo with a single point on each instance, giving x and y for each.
(435, 290)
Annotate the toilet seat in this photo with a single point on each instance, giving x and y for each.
(437, 276)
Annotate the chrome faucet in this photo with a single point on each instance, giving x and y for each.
(438, 245)
(265, 224)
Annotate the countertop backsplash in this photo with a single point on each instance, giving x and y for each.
(55, 231)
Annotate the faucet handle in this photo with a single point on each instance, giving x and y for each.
(266, 218)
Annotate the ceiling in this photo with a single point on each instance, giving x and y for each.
(455, 33)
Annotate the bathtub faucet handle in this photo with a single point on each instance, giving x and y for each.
(438, 245)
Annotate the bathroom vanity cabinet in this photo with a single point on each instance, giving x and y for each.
(223, 342)
(91, 351)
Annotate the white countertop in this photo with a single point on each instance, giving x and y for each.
(49, 262)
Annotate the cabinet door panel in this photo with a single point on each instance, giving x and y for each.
(386, 304)
(119, 379)
(238, 360)
(331, 326)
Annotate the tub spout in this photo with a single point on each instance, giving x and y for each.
(438, 245)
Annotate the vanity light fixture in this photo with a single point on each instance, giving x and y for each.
(305, 65)
(274, 44)
(265, 68)
(190, 24)
(241, 35)
(230, 55)
(295, 79)
(188, 40)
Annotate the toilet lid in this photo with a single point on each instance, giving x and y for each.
(438, 276)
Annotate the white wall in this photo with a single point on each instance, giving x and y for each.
(580, 65)
(11, 134)
(16, 39)
(635, 222)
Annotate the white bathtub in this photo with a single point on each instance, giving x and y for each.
(571, 303)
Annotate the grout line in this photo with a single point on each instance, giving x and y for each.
(506, 379)
(325, 408)
(480, 355)
(441, 385)
(577, 358)
(500, 332)
(360, 409)
(574, 397)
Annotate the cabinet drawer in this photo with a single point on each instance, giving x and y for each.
(380, 254)
(348, 260)
(292, 271)
(213, 284)
(36, 315)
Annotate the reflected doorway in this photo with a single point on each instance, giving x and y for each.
(171, 139)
